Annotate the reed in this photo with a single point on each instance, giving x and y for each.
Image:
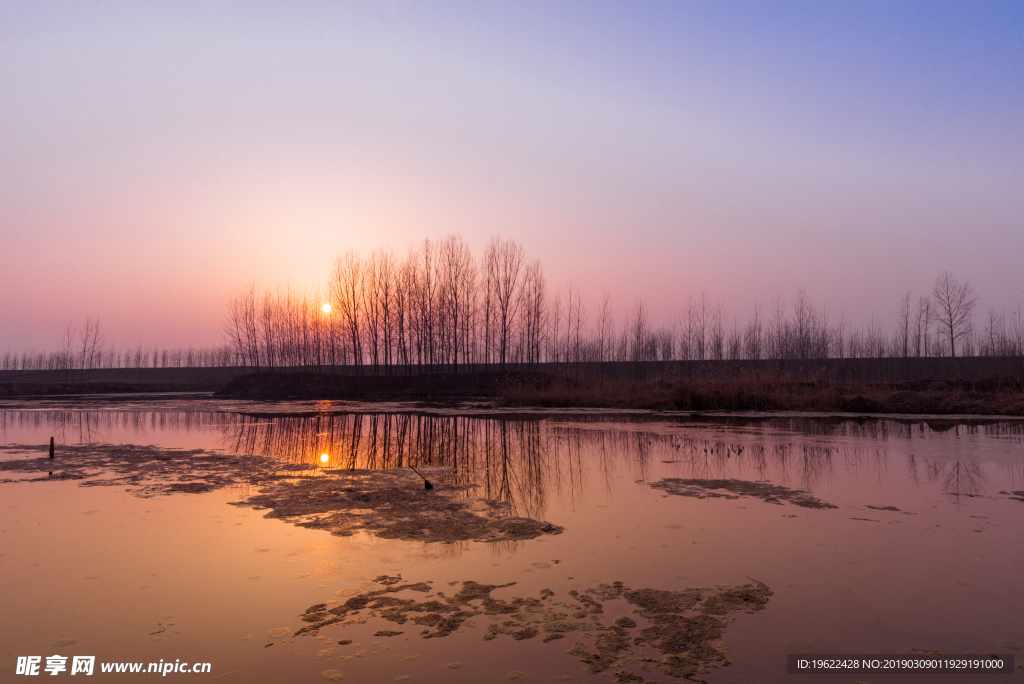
(757, 391)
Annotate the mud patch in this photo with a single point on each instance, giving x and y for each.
(392, 504)
(734, 489)
(441, 615)
(682, 637)
(147, 471)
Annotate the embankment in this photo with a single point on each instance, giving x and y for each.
(758, 392)
(443, 387)
(114, 380)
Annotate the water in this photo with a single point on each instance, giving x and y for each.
(187, 576)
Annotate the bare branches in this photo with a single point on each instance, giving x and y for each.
(458, 281)
(440, 309)
(903, 326)
(67, 349)
(532, 307)
(954, 302)
(346, 292)
(605, 329)
(639, 332)
(509, 265)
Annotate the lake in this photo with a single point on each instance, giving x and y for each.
(552, 546)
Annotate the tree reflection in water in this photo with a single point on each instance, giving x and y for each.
(526, 462)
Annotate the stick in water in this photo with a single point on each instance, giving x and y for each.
(426, 482)
(51, 447)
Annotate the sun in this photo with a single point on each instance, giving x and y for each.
(324, 458)
(326, 308)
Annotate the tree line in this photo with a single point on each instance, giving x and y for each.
(84, 348)
(438, 307)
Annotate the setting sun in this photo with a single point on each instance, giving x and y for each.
(326, 308)
(324, 458)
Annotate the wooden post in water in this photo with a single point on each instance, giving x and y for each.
(426, 482)
(51, 447)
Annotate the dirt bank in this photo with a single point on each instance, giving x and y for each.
(737, 392)
(419, 387)
(31, 389)
(754, 392)
(732, 390)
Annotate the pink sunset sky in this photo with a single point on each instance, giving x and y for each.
(156, 156)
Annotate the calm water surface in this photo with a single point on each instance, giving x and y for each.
(189, 577)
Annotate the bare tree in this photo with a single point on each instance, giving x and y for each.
(555, 335)
(67, 349)
(532, 307)
(269, 310)
(605, 328)
(688, 338)
(489, 268)
(458, 275)
(779, 332)
(91, 345)
(903, 326)
(874, 340)
(824, 337)
(969, 341)
(509, 268)
(753, 335)
(429, 302)
(842, 341)
(639, 331)
(373, 305)
(576, 316)
(954, 302)
(919, 337)
(240, 328)
(716, 330)
(405, 292)
(1017, 333)
(803, 324)
(665, 343)
(995, 341)
(734, 342)
(345, 286)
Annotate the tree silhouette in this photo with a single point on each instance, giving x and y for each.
(954, 301)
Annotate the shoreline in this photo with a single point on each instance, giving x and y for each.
(524, 393)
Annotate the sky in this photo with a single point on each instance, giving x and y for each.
(156, 156)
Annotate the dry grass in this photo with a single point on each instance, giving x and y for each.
(756, 391)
